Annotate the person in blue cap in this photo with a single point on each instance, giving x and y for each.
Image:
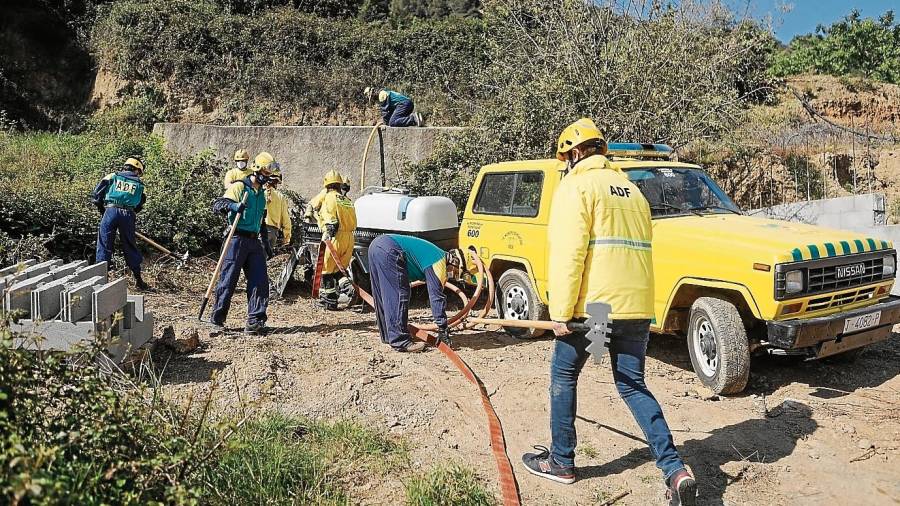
(119, 196)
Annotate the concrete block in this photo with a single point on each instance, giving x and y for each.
(21, 266)
(18, 296)
(138, 301)
(100, 269)
(38, 269)
(132, 339)
(52, 335)
(67, 269)
(108, 299)
(77, 299)
(45, 304)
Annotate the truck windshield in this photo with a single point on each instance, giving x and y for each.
(678, 191)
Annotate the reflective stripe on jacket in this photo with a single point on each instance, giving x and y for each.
(600, 244)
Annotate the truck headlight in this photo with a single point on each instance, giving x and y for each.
(890, 266)
(793, 281)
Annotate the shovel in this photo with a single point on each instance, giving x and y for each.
(179, 258)
(215, 276)
(596, 326)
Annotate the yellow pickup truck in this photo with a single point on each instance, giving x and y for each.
(733, 285)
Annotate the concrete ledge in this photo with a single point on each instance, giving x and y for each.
(307, 152)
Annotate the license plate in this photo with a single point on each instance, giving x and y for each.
(849, 271)
(862, 322)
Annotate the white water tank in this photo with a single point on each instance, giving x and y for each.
(392, 211)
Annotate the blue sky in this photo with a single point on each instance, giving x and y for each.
(807, 14)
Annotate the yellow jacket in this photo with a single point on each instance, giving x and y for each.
(278, 213)
(338, 209)
(599, 236)
(314, 204)
(235, 175)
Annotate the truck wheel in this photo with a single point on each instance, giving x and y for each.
(717, 342)
(518, 300)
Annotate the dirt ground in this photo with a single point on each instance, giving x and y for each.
(830, 436)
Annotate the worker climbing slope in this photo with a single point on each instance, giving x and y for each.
(395, 261)
(278, 215)
(396, 110)
(249, 247)
(241, 169)
(119, 196)
(600, 251)
(337, 219)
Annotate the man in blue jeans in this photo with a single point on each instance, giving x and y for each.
(397, 110)
(600, 251)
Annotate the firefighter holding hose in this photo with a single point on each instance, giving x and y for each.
(337, 219)
(395, 261)
(600, 251)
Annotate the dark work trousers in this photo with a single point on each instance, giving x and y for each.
(121, 220)
(403, 115)
(244, 253)
(390, 289)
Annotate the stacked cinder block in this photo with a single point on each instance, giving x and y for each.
(59, 306)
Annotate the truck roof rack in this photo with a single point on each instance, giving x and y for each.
(640, 150)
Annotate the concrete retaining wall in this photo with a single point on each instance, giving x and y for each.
(307, 152)
(846, 213)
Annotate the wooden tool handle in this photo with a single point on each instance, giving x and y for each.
(153, 243)
(215, 276)
(529, 324)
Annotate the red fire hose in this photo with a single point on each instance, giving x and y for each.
(509, 489)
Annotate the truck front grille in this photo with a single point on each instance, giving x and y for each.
(840, 299)
(820, 276)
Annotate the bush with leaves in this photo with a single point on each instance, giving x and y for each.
(284, 64)
(46, 181)
(855, 45)
(673, 74)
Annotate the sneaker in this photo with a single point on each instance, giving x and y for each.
(420, 121)
(255, 328)
(542, 464)
(215, 326)
(682, 489)
(141, 284)
(414, 347)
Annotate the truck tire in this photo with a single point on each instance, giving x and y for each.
(518, 300)
(718, 345)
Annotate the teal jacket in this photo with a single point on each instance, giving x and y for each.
(420, 255)
(123, 189)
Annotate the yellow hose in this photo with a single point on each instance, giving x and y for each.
(362, 176)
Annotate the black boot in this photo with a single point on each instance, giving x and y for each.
(141, 285)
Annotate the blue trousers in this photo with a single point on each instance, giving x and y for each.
(243, 254)
(121, 220)
(403, 115)
(627, 351)
(390, 289)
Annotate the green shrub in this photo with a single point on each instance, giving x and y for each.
(451, 485)
(852, 46)
(46, 181)
(283, 64)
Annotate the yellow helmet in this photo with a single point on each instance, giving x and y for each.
(382, 96)
(577, 133)
(135, 163)
(241, 155)
(264, 161)
(332, 177)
